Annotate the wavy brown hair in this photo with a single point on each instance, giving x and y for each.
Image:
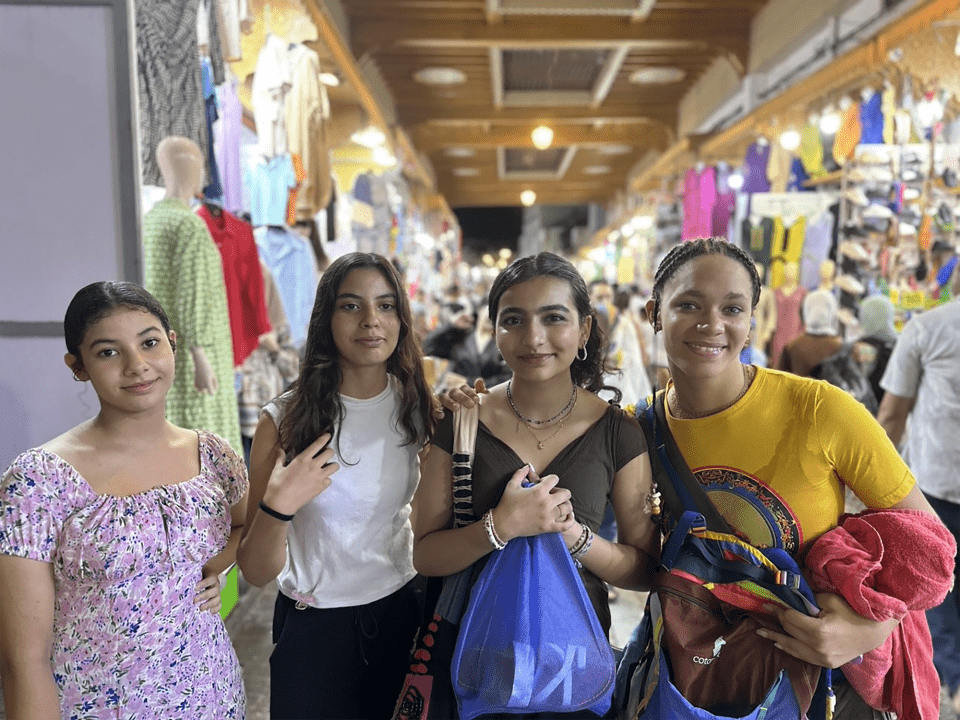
(588, 373)
(315, 407)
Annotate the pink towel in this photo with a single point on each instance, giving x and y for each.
(901, 581)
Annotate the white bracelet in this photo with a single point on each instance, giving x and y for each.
(492, 536)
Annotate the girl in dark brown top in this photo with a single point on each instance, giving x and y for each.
(546, 425)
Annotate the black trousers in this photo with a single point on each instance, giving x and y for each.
(341, 663)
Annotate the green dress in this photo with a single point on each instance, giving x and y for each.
(183, 270)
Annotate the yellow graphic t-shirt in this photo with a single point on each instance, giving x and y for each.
(776, 462)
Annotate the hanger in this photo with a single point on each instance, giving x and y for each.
(213, 207)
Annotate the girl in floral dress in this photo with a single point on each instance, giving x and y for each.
(112, 538)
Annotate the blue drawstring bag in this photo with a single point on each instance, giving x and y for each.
(530, 640)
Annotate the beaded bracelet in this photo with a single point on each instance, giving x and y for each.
(582, 546)
(492, 536)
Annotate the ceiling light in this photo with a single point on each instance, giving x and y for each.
(642, 222)
(528, 198)
(440, 76)
(466, 172)
(614, 149)
(459, 152)
(613, 235)
(329, 78)
(830, 123)
(790, 140)
(370, 137)
(735, 181)
(542, 137)
(627, 229)
(657, 75)
(596, 170)
(383, 157)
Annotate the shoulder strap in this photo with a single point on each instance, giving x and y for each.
(680, 490)
(465, 424)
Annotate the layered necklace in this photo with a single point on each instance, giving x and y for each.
(529, 423)
(681, 413)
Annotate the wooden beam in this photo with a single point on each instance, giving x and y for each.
(643, 134)
(493, 196)
(719, 28)
(449, 114)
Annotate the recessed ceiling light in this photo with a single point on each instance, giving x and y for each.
(614, 149)
(542, 136)
(660, 75)
(459, 152)
(528, 198)
(596, 170)
(440, 76)
(369, 137)
(466, 172)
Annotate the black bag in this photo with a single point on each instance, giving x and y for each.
(842, 370)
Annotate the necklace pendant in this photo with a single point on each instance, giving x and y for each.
(539, 445)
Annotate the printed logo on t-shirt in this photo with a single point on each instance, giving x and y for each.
(756, 512)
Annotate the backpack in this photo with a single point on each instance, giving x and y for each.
(696, 653)
(842, 370)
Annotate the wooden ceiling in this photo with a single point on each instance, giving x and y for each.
(563, 63)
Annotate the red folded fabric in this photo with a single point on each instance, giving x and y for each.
(890, 564)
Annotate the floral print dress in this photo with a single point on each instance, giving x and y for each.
(129, 642)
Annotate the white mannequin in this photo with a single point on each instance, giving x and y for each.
(766, 315)
(181, 165)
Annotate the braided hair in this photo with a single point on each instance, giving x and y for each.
(685, 252)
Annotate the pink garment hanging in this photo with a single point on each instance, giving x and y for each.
(789, 324)
(699, 196)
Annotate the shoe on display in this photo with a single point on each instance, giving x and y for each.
(907, 229)
(850, 284)
(911, 193)
(846, 317)
(911, 158)
(857, 196)
(876, 210)
(854, 251)
(911, 176)
(950, 178)
(853, 230)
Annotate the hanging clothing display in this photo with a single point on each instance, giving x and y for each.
(169, 87)
(213, 189)
(848, 136)
(811, 151)
(226, 133)
(789, 324)
(699, 196)
(242, 278)
(290, 260)
(778, 168)
(184, 272)
(785, 247)
(208, 39)
(307, 111)
(266, 374)
(816, 249)
(871, 120)
(724, 205)
(271, 83)
(232, 16)
(299, 176)
(755, 168)
(270, 182)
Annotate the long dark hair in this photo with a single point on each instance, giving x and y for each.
(685, 252)
(97, 300)
(315, 407)
(588, 373)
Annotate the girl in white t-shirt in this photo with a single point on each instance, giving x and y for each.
(334, 465)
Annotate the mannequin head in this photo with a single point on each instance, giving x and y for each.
(791, 274)
(827, 270)
(820, 313)
(181, 165)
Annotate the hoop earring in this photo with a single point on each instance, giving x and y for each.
(584, 348)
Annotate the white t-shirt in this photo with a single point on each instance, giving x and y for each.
(353, 544)
(925, 364)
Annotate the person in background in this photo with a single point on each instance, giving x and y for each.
(468, 343)
(877, 339)
(922, 384)
(820, 338)
(334, 465)
(624, 360)
(113, 536)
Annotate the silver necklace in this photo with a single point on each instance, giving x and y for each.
(681, 413)
(566, 408)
